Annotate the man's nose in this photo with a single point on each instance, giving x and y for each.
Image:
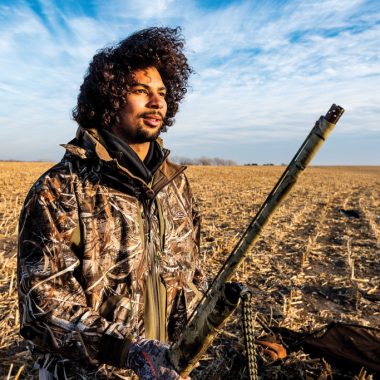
(156, 101)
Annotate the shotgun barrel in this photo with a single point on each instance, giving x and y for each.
(220, 300)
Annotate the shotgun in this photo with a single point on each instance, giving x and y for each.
(223, 296)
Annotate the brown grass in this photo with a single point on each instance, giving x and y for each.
(312, 265)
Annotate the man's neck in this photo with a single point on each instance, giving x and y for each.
(141, 149)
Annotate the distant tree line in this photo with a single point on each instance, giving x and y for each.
(203, 161)
(266, 164)
(214, 161)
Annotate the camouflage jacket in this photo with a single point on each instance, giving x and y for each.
(104, 257)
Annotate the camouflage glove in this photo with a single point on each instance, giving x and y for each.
(149, 359)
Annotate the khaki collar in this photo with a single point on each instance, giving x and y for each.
(91, 142)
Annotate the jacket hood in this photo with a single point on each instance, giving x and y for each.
(89, 144)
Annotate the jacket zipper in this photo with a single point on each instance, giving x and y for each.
(152, 266)
(152, 254)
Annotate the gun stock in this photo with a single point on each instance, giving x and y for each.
(222, 297)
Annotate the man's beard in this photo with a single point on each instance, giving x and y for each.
(142, 135)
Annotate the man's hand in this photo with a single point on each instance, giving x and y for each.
(149, 359)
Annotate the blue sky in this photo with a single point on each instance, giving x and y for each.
(265, 71)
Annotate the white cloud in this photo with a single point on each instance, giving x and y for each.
(265, 70)
(138, 10)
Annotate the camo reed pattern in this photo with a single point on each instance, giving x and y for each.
(89, 233)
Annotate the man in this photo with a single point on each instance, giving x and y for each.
(109, 237)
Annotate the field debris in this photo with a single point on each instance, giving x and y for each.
(316, 263)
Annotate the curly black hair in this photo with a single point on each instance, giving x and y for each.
(102, 94)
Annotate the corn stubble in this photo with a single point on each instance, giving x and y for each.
(316, 262)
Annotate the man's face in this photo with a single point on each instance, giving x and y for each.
(142, 116)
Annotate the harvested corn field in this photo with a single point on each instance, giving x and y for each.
(317, 262)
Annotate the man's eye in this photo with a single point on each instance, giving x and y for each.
(163, 94)
(140, 91)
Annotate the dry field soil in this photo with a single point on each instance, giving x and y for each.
(316, 262)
